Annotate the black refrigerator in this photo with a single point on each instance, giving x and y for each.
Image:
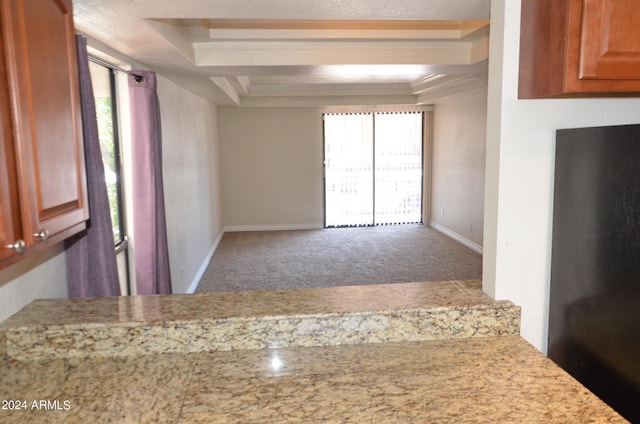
(594, 296)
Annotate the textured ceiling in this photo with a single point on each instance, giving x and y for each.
(298, 52)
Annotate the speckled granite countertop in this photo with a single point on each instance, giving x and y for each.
(275, 303)
(488, 379)
(402, 353)
(256, 320)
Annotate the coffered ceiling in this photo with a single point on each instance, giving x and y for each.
(299, 52)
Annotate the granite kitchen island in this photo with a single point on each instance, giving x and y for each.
(323, 355)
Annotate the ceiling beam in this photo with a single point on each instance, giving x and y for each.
(243, 84)
(227, 88)
(325, 101)
(449, 86)
(279, 53)
(175, 38)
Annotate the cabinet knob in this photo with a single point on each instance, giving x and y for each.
(19, 246)
(44, 235)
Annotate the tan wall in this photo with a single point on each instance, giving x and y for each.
(458, 166)
(272, 167)
(192, 195)
(192, 189)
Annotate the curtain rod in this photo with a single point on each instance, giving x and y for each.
(93, 59)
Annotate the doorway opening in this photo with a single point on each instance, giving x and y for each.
(373, 168)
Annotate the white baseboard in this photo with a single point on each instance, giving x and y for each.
(205, 264)
(457, 237)
(272, 227)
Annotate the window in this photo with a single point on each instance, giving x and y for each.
(103, 79)
(373, 168)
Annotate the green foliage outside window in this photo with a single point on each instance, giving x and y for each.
(107, 146)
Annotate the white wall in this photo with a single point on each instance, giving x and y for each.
(272, 168)
(458, 167)
(519, 178)
(191, 164)
(43, 276)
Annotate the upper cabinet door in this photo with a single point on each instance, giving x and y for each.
(610, 40)
(42, 70)
(578, 48)
(10, 232)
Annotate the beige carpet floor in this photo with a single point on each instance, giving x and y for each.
(269, 260)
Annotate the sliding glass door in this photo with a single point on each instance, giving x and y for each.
(373, 168)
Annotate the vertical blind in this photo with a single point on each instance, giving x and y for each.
(373, 168)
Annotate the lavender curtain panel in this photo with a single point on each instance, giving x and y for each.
(150, 235)
(90, 256)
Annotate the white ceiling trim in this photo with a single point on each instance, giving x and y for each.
(330, 90)
(227, 88)
(344, 34)
(451, 86)
(331, 53)
(342, 56)
(291, 9)
(175, 37)
(325, 101)
(242, 85)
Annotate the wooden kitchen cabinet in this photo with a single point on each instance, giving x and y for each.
(42, 169)
(9, 208)
(579, 48)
